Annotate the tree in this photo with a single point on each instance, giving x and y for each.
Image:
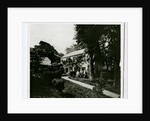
(47, 50)
(73, 47)
(103, 45)
(61, 54)
(35, 60)
(88, 36)
(112, 32)
(39, 51)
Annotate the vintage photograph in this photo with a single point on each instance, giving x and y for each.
(73, 60)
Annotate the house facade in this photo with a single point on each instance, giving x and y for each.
(77, 61)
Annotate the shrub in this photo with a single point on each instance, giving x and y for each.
(58, 84)
(100, 85)
(73, 73)
(46, 74)
(51, 72)
(108, 75)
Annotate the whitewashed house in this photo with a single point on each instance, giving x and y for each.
(76, 61)
(80, 61)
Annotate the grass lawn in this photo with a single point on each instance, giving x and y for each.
(42, 89)
(93, 82)
(113, 89)
(80, 92)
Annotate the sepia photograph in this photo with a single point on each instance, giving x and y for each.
(73, 60)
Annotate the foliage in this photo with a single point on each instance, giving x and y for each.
(35, 60)
(61, 54)
(71, 90)
(41, 89)
(100, 85)
(110, 44)
(51, 72)
(72, 73)
(42, 75)
(78, 91)
(73, 47)
(58, 84)
(46, 50)
(44, 81)
(102, 43)
(38, 53)
(88, 36)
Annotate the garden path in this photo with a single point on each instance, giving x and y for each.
(105, 92)
(79, 83)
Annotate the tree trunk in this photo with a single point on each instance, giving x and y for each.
(100, 73)
(91, 68)
(107, 66)
(116, 74)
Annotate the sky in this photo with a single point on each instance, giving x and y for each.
(60, 36)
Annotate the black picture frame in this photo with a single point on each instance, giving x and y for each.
(4, 4)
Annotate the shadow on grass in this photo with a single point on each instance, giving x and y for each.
(41, 88)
